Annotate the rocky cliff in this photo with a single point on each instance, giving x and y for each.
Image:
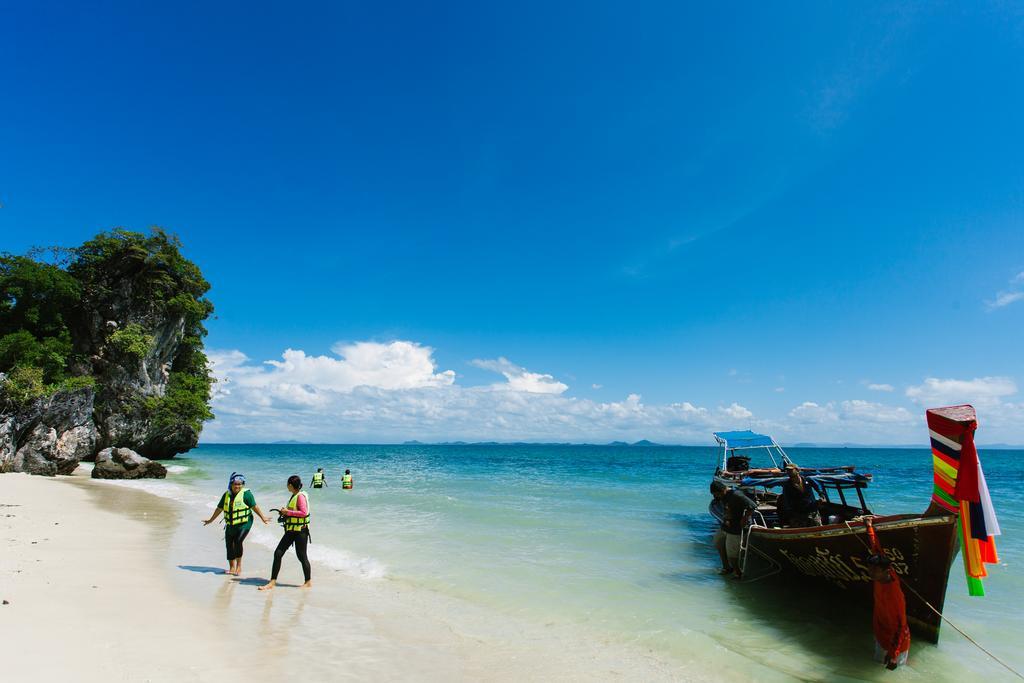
(124, 316)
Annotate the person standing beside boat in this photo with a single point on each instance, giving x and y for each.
(798, 504)
(736, 509)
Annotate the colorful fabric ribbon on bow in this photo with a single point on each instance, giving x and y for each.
(960, 489)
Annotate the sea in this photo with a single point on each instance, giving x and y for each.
(614, 543)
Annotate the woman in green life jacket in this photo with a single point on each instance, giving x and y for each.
(346, 480)
(237, 504)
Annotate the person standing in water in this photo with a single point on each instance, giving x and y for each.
(346, 480)
(296, 531)
(318, 478)
(237, 504)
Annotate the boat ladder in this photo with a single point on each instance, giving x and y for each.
(757, 523)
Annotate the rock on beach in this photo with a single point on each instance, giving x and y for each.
(124, 463)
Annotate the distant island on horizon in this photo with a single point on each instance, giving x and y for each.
(643, 443)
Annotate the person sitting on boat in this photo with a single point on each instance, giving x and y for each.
(736, 508)
(892, 635)
(798, 504)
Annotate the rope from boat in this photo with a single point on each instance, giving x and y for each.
(940, 614)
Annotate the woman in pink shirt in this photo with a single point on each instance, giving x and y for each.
(296, 530)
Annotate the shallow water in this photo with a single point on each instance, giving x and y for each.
(613, 542)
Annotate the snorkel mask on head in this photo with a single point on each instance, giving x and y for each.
(235, 476)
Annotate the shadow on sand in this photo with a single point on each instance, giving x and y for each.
(249, 581)
(258, 581)
(202, 570)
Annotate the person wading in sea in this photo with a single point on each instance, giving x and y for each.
(237, 504)
(296, 531)
(319, 481)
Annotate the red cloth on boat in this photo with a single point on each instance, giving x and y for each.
(890, 619)
(890, 614)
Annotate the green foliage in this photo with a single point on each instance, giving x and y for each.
(49, 354)
(184, 403)
(34, 296)
(35, 299)
(76, 383)
(160, 273)
(23, 384)
(131, 340)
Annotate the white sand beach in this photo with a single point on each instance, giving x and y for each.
(107, 583)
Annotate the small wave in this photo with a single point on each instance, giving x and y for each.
(335, 558)
(160, 487)
(176, 469)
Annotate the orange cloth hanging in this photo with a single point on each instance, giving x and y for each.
(890, 611)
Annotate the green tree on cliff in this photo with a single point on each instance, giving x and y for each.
(95, 315)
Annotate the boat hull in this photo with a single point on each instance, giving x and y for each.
(833, 556)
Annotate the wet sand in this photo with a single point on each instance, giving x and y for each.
(108, 583)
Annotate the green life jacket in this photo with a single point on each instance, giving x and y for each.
(318, 478)
(238, 512)
(346, 481)
(297, 523)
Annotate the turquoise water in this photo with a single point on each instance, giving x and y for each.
(613, 541)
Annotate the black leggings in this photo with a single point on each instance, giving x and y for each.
(300, 539)
(233, 537)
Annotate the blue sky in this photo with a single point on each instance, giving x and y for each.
(755, 211)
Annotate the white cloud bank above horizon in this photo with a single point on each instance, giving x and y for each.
(390, 391)
(394, 391)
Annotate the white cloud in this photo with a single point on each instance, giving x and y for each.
(1005, 299)
(981, 391)
(855, 411)
(866, 411)
(1008, 296)
(521, 379)
(810, 412)
(299, 380)
(596, 386)
(736, 412)
(881, 387)
(1000, 419)
(779, 390)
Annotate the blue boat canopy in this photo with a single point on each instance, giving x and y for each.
(743, 439)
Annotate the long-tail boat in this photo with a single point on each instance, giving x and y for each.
(921, 546)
